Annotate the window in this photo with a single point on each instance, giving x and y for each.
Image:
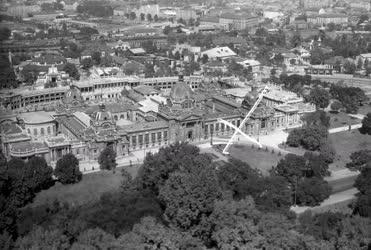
(140, 140)
(159, 135)
(263, 124)
(134, 140)
(165, 135)
(48, 130)
(153, 138)
(35, 131)
(146, 139)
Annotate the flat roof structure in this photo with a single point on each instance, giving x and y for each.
(37, 117)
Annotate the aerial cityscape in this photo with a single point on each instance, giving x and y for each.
(196, 124)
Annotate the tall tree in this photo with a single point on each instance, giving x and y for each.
(107, 159)
(189, 197)
(71, 70)
(94, 239)
(96, 57)
(319, 97)
(67, 170)
(312, 191)
(4, 33)
(359, 159)
(151, 234)
(290, 167)
(157, 168)
(40, 238)
(39, 173)
(366, 124)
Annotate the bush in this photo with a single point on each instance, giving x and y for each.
(294, 138)
(312, 191)
(366, 125)
(336, 106)
(327, 151)
(107, 159)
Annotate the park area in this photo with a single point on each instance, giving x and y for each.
(88, 190)
(346, 143)
(256, 158)
(342, 119)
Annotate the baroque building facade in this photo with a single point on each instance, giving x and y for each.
(187, 115)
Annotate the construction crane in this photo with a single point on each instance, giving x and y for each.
(238, 130)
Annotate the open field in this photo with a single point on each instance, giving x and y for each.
(88, 190)
(259, 159)
(346, 143)
(365, 108)
(342, 119)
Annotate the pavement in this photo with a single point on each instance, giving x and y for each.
(334, 199)
(344, 128)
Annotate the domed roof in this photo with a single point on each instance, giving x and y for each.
(180, 91)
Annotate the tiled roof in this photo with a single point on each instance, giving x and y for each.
(145, 126)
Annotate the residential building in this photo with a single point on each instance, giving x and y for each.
(231, 21)
(219, 53)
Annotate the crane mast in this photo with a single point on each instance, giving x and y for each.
(239, 129)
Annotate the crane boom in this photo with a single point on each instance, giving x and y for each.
(225, 151)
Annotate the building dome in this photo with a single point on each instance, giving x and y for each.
(180, 91)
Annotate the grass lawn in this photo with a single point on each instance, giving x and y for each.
(365, 108)
(259, 159)
(346, 143)
(88, 190)
(342, 119)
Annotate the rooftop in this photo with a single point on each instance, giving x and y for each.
(145, 126)
(282, 95)
(37, 117)
(146, 90)
(219, 52)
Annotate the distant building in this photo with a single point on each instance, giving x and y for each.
(324, 19)
(186, 14)
(308, 4)
(219, 53)
(360, 4)
(22, 10)
(231, 21)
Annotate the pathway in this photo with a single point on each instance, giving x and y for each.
(329, 203)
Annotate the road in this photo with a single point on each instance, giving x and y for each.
(342, 184)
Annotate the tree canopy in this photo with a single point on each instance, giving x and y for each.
(67, 170)
(107, 159)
